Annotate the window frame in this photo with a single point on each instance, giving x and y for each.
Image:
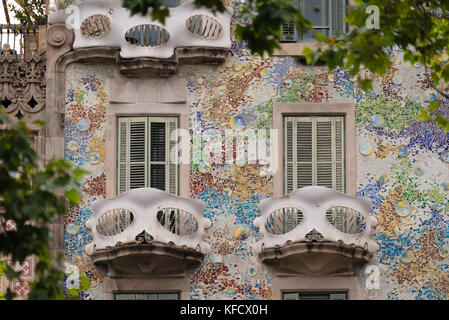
(329, 25)
(296, 48)
(286, 283)
(280, 110)
(144, 98)
(148, 161)
(314, 120)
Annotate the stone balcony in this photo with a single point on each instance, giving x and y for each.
(315, 231)
(147, 232)
(189, 35)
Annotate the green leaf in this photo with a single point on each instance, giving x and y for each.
(10, 273)
(424, 115)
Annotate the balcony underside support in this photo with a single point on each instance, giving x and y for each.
(146, 260)
(316, 258)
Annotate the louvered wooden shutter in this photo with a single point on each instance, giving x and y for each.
(289, 33)
(289, 155)
(324, 175)
(304, 152)
(338, 16)
(163, 158)
(314, 152)
(132, 147)
(173, 156)
(158, 153)
(144, 154)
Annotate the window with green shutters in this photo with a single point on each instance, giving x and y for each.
(314, 152)
(147, 157)
(314, 155)
(327, 17)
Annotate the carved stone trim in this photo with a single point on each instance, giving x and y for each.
(59, 42)
(22, 82)
(151, 267)
(316, 258)
(147, 67)
(153, 259)
(201, 55)
(155, 67)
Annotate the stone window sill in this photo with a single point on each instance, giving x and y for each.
(295, 48)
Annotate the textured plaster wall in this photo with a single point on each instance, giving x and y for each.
(402, 165)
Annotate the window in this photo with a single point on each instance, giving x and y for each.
(146, 296)
(172, 3)
(314, 296)
(147, 157)
(327, 17)
(314, 152)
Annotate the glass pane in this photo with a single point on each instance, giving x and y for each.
(290, 296)
(338, 296)
(125, 296)
(317, 12)
(168, 296)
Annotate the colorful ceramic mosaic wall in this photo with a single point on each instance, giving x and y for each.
(86, 100)
(402, 165)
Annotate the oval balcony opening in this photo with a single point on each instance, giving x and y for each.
(346, 220)
(283, 220)
(147, 35)
(204, 27)
(178, 221)
(95, 26)
(114, 221)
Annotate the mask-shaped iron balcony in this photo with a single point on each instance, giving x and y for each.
(316, 230)
(147, 231)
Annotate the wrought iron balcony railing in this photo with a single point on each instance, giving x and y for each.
(22, 39)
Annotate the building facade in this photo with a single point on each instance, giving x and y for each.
(118, 87)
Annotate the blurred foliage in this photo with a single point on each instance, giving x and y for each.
(31, 198)
(29, 11)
